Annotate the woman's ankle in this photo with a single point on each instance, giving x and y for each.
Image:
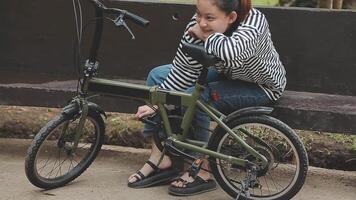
(165, 163)
(204, 175)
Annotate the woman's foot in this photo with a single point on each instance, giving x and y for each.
(151, 174)
(187, 185)
(147, 169)
(185, 178)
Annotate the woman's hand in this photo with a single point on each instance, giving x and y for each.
(144, 111)
(197, 32)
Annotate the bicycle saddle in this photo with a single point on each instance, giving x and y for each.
(198, 53)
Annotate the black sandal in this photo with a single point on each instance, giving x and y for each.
(198, 186)
(156, 177)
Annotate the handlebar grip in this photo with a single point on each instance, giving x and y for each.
(137, 19)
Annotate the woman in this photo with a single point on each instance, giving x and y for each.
(250, 74)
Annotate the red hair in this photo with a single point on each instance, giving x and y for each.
(244, 8)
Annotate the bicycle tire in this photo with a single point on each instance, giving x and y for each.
(227, 184)
(40, 141)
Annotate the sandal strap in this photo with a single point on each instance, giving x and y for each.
(154, 167)
(200, 180)
(138, 178)
(140, 175)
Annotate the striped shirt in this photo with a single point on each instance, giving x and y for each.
(248, 54)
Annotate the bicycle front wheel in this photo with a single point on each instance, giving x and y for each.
(287, 159)
(52, 160)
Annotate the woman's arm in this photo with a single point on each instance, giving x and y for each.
(184, 70)
(242, 44)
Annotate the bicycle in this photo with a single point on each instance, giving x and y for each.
(246, 150)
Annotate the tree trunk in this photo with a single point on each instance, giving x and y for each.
(325, 4)
(337, 4)
(349, 4)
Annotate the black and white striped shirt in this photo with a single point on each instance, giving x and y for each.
(248, 54)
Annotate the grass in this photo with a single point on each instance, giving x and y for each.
(348, 140)
(309, 138)
(124, 122)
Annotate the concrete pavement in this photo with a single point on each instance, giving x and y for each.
(106, 179)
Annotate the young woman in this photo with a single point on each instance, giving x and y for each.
(250, 74)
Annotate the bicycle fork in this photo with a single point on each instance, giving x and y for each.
(78, 129)
(80, 126)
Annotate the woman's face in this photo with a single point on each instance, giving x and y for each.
(211, 19)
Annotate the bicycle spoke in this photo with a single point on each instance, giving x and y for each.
(55, 167)
(59, 158)
(50, 172)
(272, 180)
(70, 165)
(269, 191)
(277, 183)
(57, 164)
(44, 165)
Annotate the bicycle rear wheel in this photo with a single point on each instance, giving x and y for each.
(51, 160)
(287, 158)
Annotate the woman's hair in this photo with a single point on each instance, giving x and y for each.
(242, 7)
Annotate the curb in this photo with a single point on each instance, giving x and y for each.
(18, 147)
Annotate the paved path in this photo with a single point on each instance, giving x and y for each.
(106, 179)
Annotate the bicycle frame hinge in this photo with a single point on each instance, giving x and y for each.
(156, 96)
(90, 68)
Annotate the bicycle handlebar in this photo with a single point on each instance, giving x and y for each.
(126, 14)
(100, 10)
(198, 53)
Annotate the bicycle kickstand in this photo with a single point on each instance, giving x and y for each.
(244, 190)
(250, 181)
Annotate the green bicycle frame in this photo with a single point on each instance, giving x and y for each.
(158, 96)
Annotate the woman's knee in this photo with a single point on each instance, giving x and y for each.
(205, 95)
(157, 75)
(152, 77)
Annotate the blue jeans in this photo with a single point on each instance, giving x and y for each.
(230, 95)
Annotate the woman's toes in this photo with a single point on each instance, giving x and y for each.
(132, 178)
(174, 183)
(180, 184)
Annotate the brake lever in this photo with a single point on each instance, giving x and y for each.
(119, 21)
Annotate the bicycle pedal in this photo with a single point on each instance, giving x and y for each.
(195, 168)
(150, 120)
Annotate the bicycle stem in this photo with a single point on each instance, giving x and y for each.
(99, 24)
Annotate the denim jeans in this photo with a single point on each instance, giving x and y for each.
(229, 95)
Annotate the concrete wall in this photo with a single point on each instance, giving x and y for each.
(36, 38)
